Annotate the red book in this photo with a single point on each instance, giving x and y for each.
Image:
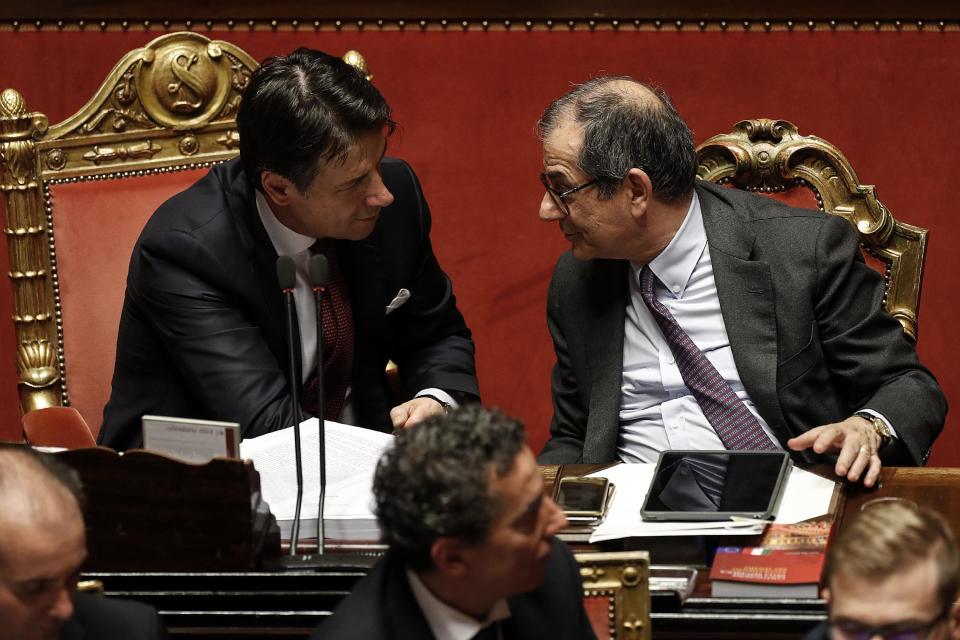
(788, 563)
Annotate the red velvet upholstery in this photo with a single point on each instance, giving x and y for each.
(467, 102)
(95, 225)
(598, 612)
(57, 427)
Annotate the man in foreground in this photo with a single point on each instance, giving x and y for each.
(202, 333)
(893, 572)
(42, 547)
(472, 551)
(689, 316)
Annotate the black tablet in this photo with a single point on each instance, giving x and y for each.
(716, 485)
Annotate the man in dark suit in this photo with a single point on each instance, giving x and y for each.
(472, 551)
(688, 316)
(202, 333)
(893, 572)
(42, 547)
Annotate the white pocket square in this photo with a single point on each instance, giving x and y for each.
(402, 296)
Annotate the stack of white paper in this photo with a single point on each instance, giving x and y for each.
(806, 496)
(352, 455)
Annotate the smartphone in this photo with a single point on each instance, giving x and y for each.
(584, 500)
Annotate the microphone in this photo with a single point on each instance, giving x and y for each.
(287, 279)
(319, 272)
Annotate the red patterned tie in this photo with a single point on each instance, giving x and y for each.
(726, 413)
(337, 341)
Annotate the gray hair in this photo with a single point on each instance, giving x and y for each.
(626, 129)
(434, 482)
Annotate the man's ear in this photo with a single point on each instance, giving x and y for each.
(825, 594)
(277, 188)
(449, 557)
(641, 191)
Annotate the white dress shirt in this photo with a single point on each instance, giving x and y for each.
(446, 622)
(288, 242)
(657, 410)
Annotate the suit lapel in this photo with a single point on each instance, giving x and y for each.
(262, 259)
(403, 613)
(602, 323)
(361, 263)
(745, 290)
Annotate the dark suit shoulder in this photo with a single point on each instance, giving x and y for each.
(202, 202)
(555, 609)
(212, 228)
(593, 282)
(372, 607)
(97, 617)
(753, 206)
(569, 269)
(770, 230)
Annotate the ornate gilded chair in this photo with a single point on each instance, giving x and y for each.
(78, 193)
(771, 157)
(616, 590)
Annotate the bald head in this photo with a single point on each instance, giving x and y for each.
(35, 488)
(42, 544)
(627, 125)
(629, 92)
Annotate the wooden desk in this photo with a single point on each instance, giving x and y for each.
(287, 605)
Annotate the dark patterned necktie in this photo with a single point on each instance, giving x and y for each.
(337, 341)
(726, 413)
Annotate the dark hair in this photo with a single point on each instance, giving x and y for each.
(44, 463)
(435, 481)
(624, 129)
(304, 109)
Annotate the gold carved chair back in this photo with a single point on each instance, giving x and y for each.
(771, 157)
(78, 193)
(616, 593)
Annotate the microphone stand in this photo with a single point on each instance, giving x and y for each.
(319, 272)
(287, 277)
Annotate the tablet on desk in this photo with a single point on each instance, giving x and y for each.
(716, 485)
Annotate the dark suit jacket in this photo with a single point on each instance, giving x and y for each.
(382, 606)
(803, 313)
(99, 618)
(202, 333)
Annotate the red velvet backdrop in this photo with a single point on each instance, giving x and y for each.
(467, 102)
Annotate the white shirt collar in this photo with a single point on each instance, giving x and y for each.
(446, 622)
(286, 241)
(675, 264)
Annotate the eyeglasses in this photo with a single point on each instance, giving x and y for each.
(853, 630)
(559, 197)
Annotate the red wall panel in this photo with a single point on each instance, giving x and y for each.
(468, 101)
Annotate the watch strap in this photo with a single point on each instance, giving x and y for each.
(879, 427)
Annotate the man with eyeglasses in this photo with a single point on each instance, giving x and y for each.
(892, 573)
(690, 316)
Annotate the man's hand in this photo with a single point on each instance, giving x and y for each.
(414, 411)
(854, 439)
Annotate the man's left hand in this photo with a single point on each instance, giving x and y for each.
(414, 411)
(855, 442)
